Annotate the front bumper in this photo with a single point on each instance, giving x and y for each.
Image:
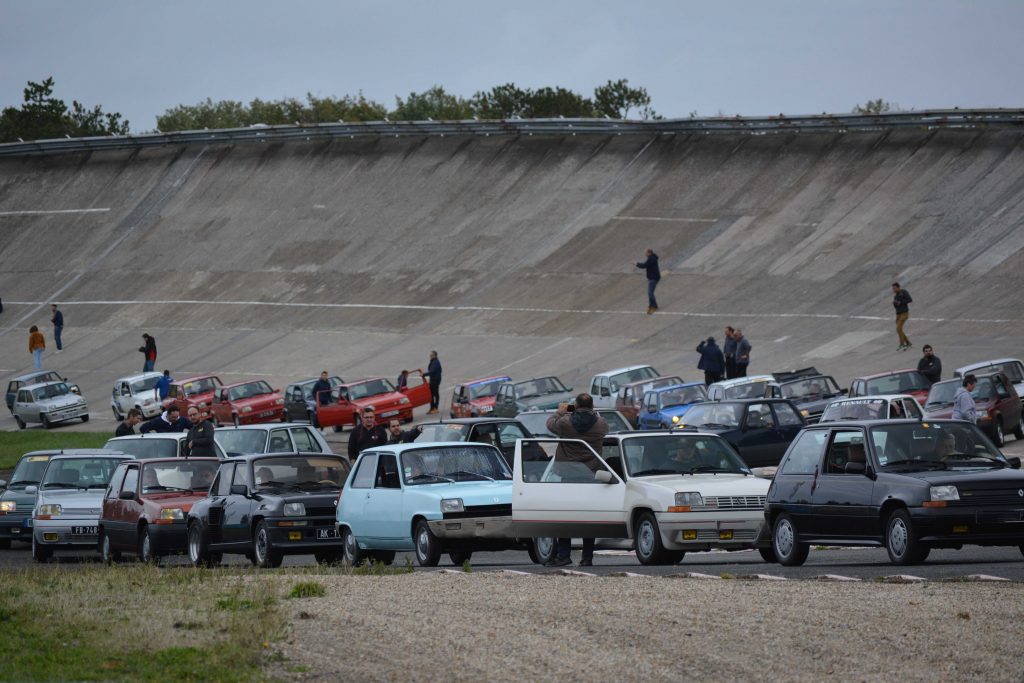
(16, 525)
(61, 532)
(65, 414)
(261, 416)
(973, 525)
(472, 527)
(301, 535)
(169, 539)
(702, 530)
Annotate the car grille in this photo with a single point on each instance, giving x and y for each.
(320, 511)
(733, 503)
(481, 511)
(1008, 497)
(711, 535)
(79, 511)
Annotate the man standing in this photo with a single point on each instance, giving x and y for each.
(712, 362)
(396, 435)
(199, 441)
(584, 424)
(963, 402)
(930, 366)
(58, 326)
(434, 375)
(127, 426)
(729, 349)
(901, 302)
(366, 434)
(149, 353)
(653, 277)
(166, 422)
(322, 390)
(163, 386)
(742, 353)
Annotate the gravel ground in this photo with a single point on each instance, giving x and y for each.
(497, 627)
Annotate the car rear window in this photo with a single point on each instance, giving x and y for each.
(145, 447)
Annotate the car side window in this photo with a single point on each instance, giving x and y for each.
(241, 475)
(786, 415)
(486, 433)
(509, 432)
(363, 478)
(115, 482)
(805, 453)
(1001, 391)
(131, 479)
(24, 397)
(759, 416)
(304, 441)
(911, 408)
(613, 456)
(846, 446)
(554, 463)
(595, 386)
(222, 486)
(279, 441)
(387, 472)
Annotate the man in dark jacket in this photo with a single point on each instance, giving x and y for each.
(199, 441)
(743, 348)
(168, 421)
(58, 326)
(729, 349)
(396, 435)
(650, 264)
(127, 426)
(577, 422)
(901, 302)
(930, 366)
(434, 376)
(322, 390)
(712, 362)
(366, 434)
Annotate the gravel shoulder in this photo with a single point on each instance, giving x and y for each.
(498, 627)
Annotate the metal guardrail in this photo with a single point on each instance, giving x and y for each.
(951, 119)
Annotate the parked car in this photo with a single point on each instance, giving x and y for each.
(251, 402)
(896, 382)
(433, 498)
(909, 486)
(48, 404)
(270, 438)
(69, 495)
(755, 386)
(146, 505)
(15, 503)
(155, 445)
(670, 493)
(136, 391)
(475, 398)
(536, 422)
(352, 397)
(665, 407)
(299, 402)
(500, 432)
(1011, 367)
(540, 393)
(268, 506)
(882, 407)
(996, 401)
(39, 377)
(809, 390)
(630, 396)
(194, 391)
(759, 429)
(604, 386)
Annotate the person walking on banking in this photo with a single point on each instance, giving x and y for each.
(36, 346)
(653, 277)
(901, 302)
(58, 326)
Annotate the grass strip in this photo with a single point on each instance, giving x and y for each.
(13, 445)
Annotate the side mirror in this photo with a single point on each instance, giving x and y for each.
(604, 476)
(74, 389)
(31, 488)
(844, 392)
(239, 490)
(855, 468)
(126, 495)
(1014, 462)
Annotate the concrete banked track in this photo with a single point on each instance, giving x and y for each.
(513, 253)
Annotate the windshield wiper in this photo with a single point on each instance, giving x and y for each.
(317, 485)
(707, 468)
(277, 485)
(924, 463)
(429, 476)
(160, 487)
(22, 482)
(972, 456)
(647, 473)
(471, 474)
(716, 424)
(59, 485)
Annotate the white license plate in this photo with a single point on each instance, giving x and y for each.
(266, 413)
(326, 533)
(83, 531)
(389, 413)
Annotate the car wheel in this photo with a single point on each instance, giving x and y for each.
(768, 555)
(1018, 432)
(649, 549)
(85, 418)
(428, 547)
(350, 548)
(544, 549)
(265, 555)
(46, 422)
(21, 423)
(789, 552)
(1000, 438)
(147, 547)
(337, 428)
(234, 418)
(460, 556)
(108, 554)
(198, 551)
(901, 540)
(329, 557)
(117, 415)
(383, 556)
(39, 553)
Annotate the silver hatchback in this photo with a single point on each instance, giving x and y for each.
(48, 403)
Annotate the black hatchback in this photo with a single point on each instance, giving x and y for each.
(907, 485)
(760, 429)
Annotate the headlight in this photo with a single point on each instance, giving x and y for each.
(452, 505)
(202, 405)
(49, 510)
(294, 510)
(8, 506)
(943, 493)
(279, 402)
(689, 499)
(403, 400)
(675, 419)
(247, 409)
(172, 513)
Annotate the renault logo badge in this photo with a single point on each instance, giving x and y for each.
(1020, 492)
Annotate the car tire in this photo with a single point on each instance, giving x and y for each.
(428, 547)
(46, 422)
(647, 541)
(460, 556)
(39, 553)
(901, 541)
(1018, 432)
(198, 549)
(544, 549)
(234, 419)
(789, 552)
(147, 550)
(117, 415)
(351, 551)
(998, 436)
(768, 555)
(328, 557)
(85, 418)
(107, 553)
(264, 554)
(21, 423)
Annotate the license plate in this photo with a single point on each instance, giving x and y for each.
(266, 413)
(15, 530)
(389, 413)
(83, 531)
(326, 533)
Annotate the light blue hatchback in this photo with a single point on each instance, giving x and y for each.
(433, 498)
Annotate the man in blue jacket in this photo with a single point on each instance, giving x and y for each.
(653, 277)
(712, 362)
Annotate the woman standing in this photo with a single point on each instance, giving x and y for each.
(36, 345)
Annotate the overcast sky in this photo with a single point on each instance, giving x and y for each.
(788, 56)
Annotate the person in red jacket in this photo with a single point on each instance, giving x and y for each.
(149, 352)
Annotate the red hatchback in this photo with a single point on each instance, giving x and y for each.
(147, 504)
(247, 403)
(476, 397)
(995, 399)
(195, 391)
(896, 382)
(351, 398)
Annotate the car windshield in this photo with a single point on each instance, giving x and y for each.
(185, 475)
(810, 388)
(50, 391)
(145, 447)
(630, 376)
(241, 441)
(249, 390)
(29, 470)
(898, 383)
(760, 389)
(713, 415)
(443, 432)
(79, 473)
(200, 386)
(372, 387)
(145, 384)
(858, 409)
(614, 419)
(680, 454)
(934, 445)
(536, 422)
(298, 472)
(485, 389)
(539, 387)
(454, 463)
(942, 393)
(637, 391)
(682, 396)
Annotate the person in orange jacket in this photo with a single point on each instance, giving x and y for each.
(36, 345)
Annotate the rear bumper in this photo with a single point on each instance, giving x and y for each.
(472, 527)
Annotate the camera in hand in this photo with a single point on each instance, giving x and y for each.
(571, 407)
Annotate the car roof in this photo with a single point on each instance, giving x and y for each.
(485, 380)
(92, 453)
(534, 379)
(37, 373)
(138, 376)
(196, 379)
(651, 379)
(249, 457)
(872, 397)
(177, 436)
(742, 400)
(362, 381)
(471, 420)
(983, 363)
(313, 380)
(660, 433)
(150, 461)
(627, 368)
(736, 381)
(262, 427)
(72, 451)
(882, 422)
(238, 384)
(886, 374)
(658, 390)
(399, 448)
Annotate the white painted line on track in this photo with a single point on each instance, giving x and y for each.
(52, 211)
(666, 220)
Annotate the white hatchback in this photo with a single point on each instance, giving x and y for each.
(136, 391)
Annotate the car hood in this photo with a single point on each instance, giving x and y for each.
(175, 499)
(709, 484)
(61, 402)
(262, 399)
(471, 492)
(20, 498)
(85, 502)
(546, 401)
(945, 410)
(976, 479)
(674, 411)
(388, 400)
(205, 397)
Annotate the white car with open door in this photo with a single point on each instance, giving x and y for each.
(661, 494)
